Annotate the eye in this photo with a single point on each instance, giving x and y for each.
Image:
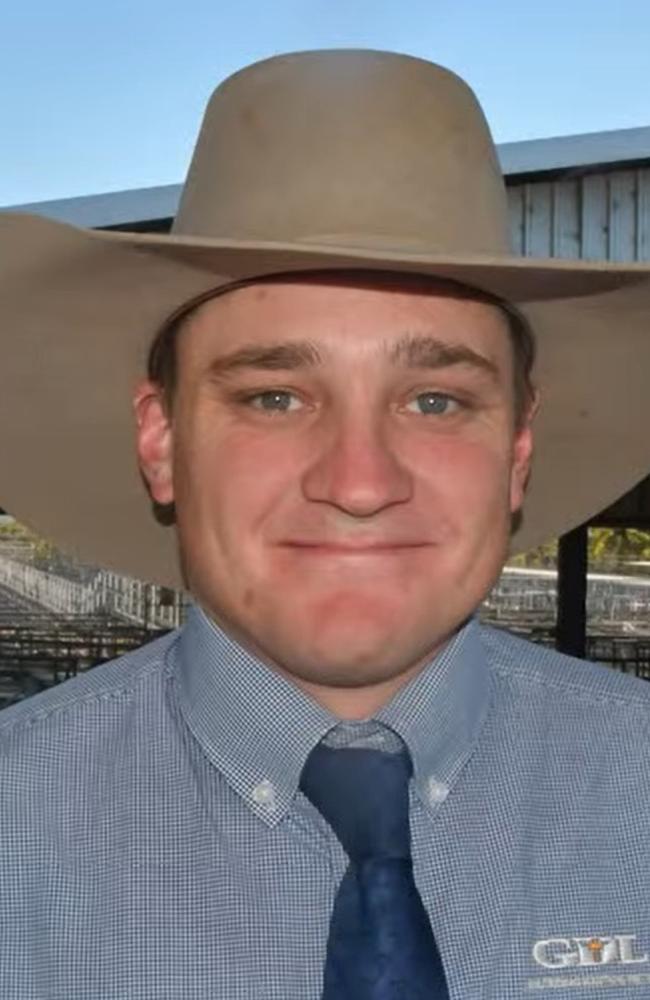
(274, 401)
(436, 403)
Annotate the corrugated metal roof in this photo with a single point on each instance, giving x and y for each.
(592, 149)
(115, 208)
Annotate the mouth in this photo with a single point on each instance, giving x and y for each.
(354, 548)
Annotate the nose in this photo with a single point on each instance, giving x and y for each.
(356, 469)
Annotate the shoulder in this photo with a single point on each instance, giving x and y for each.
(563, 684)
(76, 759)
(573, 738)
(84, 700)
(532, 664)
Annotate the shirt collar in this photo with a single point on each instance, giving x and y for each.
(258, 728)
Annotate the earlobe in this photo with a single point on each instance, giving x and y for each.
(519, 480)
(154, 441)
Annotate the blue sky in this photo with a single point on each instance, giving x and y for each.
(103, 97)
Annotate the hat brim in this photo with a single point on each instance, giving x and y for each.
(79, 308)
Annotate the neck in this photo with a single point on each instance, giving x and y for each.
(355, 703)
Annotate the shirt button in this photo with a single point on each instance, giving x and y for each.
(437, 791)
(264, 794)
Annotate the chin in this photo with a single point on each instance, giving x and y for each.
(350, 651)
(352, 668)
(359, 616)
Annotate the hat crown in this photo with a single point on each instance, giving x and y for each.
(351, 147)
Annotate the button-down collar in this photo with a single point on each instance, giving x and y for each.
(258, 728)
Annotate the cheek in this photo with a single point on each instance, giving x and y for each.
(468, 481)
(228, 484)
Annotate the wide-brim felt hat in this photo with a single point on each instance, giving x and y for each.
(309, 161)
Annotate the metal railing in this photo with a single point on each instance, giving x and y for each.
(106, 593)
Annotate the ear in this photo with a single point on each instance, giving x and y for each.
(522, 454)
(154, 441)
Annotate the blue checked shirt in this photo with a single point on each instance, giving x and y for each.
(154, 842)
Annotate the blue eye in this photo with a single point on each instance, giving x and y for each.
(274, 401)
(436, 403)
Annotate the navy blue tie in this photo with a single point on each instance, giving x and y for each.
(380, 945)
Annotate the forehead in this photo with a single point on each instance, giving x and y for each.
(344, 316)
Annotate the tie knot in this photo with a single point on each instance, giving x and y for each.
(363, 795)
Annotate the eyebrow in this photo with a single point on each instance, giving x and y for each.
(411, 351)
(268, 357)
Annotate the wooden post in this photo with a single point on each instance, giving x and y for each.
(571, 626)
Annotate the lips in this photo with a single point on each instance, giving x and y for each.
(355, 548)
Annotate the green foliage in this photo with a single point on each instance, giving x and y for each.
(614, 548)
(42, 553)
(543, 557)
(13, 531)
(611, 550)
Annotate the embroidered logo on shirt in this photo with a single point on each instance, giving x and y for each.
(591, 952)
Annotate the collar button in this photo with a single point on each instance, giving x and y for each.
(264, 794)
(437, 791)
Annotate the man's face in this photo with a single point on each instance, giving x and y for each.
(344, 464)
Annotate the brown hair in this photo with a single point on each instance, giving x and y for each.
(161, 363)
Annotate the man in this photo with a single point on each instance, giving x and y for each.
(332, 781)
